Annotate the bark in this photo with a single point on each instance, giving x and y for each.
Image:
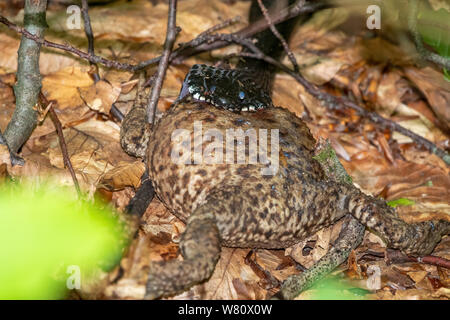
(29, 82)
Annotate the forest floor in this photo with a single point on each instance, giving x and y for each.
(378, 72)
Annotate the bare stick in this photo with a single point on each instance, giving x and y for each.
(89, 34)
(396, 256)
(278, 35)
(267, 278)
(221, 26)
(62, 142)
(424, 53)
(164, 62)
(68, 48)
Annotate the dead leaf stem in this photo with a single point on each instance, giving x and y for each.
(62, 142)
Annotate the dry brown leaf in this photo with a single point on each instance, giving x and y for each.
(125, 174)
(63, 85)
(4, 155)
(93, 149)
(100, 96)
(417, 276)
(232, 279)
(435, 88)
(323, 238)
(320, 70)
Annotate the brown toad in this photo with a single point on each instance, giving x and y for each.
(249, 179)
(236, 205)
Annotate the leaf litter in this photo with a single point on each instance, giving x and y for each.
(374, 71)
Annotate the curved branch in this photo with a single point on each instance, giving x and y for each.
(28, 85)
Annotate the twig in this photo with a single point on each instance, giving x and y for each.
(91, 51)
(221, 26)
(68, 48)
(396, 256)
(268, 281)
(210, 42)
(164, 62)
(142, 198)
(89, 35)
(424, 53)
(217, 27)
(62, 142)
(116, 113)
(278, 35)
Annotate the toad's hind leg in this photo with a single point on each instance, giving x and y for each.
(200, 248)
(416, 239)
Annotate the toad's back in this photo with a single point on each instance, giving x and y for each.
(253, 206)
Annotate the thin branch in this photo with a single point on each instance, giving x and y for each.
(221, 26)
(89, 35)
(91, 51)
(164, 62)
(424, 53)
(278, 35)
(62, 142)
(68, 48)
(267, 279)
(396, 256)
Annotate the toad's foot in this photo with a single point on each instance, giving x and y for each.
(416, 239)
(200, 248)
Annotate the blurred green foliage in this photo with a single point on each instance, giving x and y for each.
(43, 232)
(333, 288)
(400, 202)
(434, 26)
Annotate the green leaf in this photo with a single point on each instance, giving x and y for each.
(45, 233)
(434, 28)
(333, 288)
(400, 202)
(446, 75)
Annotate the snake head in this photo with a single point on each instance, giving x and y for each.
(234, 90)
